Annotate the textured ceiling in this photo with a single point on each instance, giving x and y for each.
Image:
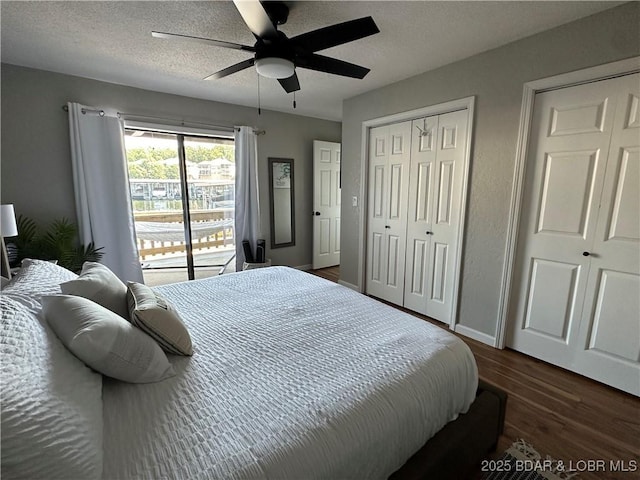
(111, 41)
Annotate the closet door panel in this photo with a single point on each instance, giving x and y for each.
(396, 221)
(615, 327)
(420, 212)
(416, 261)
(447, 204)
(392, 256)
(377, 211)
(396, 197)
(608, 344)
(389, 156)
(625, 221)
(571, 131)
(439, 265)
(445, 193)
(376, 247)
(422, 197)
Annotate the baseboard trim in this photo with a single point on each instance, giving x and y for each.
(475, 335)
(349, 285)
(304, 268)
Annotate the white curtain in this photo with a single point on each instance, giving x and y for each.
(247, 219)
(101, 187)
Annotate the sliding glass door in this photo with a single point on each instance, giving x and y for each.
(182, 190)
(211, 186)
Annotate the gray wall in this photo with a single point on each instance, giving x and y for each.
(496, 78)
(36, 159)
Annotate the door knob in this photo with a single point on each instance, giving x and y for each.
(387, 226)
(586, 254)
(316, 213)
(429, 233)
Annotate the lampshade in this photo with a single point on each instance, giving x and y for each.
(8, 226)
(274, 67)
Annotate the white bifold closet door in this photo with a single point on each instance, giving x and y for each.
(416, 180)
(433, 222)
(389, 157)
(576, 294)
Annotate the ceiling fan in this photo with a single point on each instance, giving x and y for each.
(276, 55)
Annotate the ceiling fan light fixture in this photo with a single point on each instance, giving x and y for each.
(275, 67)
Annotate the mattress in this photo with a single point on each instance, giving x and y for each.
(294, 377)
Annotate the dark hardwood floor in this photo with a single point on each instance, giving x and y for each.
(563, 415)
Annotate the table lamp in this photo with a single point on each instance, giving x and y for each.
(8, 228)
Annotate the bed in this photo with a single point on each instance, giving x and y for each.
(291, 376)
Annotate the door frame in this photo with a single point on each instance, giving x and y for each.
(468, 104)
(570, 79)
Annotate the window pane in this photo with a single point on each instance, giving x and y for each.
(210, 166)
(156, 196)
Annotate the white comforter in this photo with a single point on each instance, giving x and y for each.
(293, 377)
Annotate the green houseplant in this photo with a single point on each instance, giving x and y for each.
(59, 241)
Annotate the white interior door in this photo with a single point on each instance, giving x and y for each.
(326, 204)
(608, 341)
(575, 297)
(389, 157)
(435, 199)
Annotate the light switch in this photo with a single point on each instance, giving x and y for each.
(354, 201)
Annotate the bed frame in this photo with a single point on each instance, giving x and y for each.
(456, 450)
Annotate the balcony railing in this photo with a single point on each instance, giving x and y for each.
(162, 233)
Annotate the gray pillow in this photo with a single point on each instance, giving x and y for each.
(151, 313)
(105, 341)
(96, 282)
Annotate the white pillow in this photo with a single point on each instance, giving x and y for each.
(154, 315)
(105, 341)
(96, 282)
(52, 423)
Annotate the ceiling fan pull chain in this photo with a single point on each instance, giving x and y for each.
(294, 99)
(259, 112)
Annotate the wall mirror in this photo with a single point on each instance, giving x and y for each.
(283, 232)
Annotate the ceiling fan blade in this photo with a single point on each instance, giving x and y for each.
(290, 84)
(229, 70)
(256, 18)
(206, 41)
(320, 63)
(334, 35)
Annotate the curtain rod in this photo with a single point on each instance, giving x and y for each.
(255, 130)
(86, 110)
(181, 122)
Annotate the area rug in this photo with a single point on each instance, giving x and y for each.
(522, 462)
